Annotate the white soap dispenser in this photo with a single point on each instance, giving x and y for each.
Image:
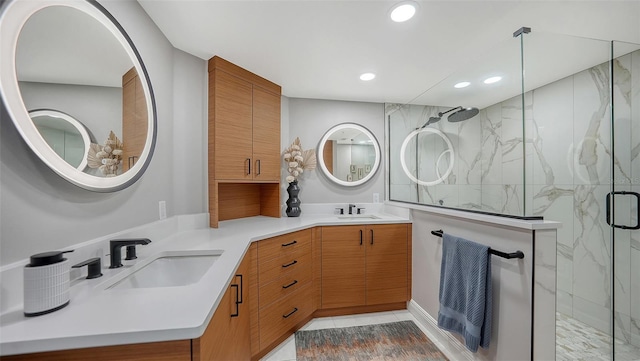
(46, 283)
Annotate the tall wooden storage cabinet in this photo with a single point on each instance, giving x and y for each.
(244, 143)
(135, 119)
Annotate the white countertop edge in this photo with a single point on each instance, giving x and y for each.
(278, 226)
(485, 218)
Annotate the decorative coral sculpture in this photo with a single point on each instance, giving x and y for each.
(106, 157)
(297, 160)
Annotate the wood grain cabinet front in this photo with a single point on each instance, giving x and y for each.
(228, 335)
(244, 124)
(365, 265)
(134, 119)
(285, 284)
(244, 143)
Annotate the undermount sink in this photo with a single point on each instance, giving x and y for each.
(168, 269)
(357, 216)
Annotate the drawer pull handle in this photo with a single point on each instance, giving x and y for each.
(295, 309)
(237, 313)
(290, 284)
(248, 160)
(372, 236)
(289, 264)
(361, 237)
(289, 244)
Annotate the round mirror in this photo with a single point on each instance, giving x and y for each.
(73, 56)
(349, 154)
(67, 136)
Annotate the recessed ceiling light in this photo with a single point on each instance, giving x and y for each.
(462, 84)
(367, 76)
(403, 11)
(493, 79)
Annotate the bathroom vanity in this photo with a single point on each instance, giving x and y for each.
(271, 277)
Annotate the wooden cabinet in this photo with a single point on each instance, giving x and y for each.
(135, 119)
(154, 351)
(244, 143)
(365, 265)
(285, 279)
(245, 117)
(228, 335)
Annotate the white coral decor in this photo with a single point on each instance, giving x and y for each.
(297, 160)
(106, 157)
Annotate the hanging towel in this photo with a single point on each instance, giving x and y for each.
(465, 291)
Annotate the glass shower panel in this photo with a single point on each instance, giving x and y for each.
(625, 199)
(442, 153)
(568, 175)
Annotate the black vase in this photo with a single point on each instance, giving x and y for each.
(293, 203)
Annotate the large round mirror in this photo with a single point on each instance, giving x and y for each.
(349, 154)
(74, 57)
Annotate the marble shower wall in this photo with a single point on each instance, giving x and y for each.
(571, 176)
(488, 164)
(568, 174)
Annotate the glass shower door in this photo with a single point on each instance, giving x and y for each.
(624, 200)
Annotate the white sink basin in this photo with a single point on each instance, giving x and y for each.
(357, 216)
(168, 269)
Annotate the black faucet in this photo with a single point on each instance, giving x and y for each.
(115, 246)
(351, 207)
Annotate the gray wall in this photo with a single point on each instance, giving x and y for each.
(39, 211)
(310, 119)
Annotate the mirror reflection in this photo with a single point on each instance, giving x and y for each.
(86, 73)
(65, 135)
(350, 154)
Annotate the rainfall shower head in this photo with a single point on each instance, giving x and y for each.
(463, 114)
(459, 115)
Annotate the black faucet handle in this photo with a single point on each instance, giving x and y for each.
(131, 252)
(94, 267)
(361, 210)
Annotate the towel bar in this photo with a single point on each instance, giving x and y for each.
(516, 254)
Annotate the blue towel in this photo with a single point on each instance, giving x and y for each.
(465, 291)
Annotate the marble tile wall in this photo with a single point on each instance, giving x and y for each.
(489, 180)
(568, 175)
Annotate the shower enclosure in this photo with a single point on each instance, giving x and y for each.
(558, 137)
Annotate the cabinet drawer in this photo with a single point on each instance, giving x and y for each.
(286, 264)
(286, 284)
(285, 244)
(280, 317)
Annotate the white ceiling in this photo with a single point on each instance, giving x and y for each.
(317, 49)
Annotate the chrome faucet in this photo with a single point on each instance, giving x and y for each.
(351, 207)
(115, 246)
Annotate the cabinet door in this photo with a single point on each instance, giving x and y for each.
(134, 119)
(231, 103)
(266, 135)
(343, 266)
(386, 263)
(228, 335)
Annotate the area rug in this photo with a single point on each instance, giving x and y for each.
(398, 341)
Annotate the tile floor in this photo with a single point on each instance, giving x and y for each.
(576, 341)
(286, 351)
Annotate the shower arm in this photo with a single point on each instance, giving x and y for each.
(449, 111)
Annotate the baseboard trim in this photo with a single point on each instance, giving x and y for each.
(446, 342)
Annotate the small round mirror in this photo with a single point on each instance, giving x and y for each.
(349, 154)
(67, 136)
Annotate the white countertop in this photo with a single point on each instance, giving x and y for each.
(101, 317)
